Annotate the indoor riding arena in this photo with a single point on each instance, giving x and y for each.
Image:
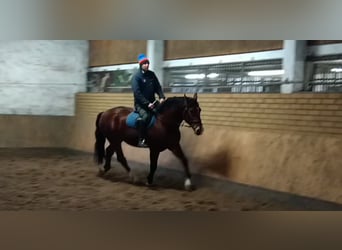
(271, 112)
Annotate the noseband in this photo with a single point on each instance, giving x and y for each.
(192, 124)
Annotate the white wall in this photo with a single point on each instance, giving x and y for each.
(41, 77)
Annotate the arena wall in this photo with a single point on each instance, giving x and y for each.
(180, 49)
(25, 131)
(112, 52)
(322, 42)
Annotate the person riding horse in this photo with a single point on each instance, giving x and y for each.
(112, 126)
(145, 85)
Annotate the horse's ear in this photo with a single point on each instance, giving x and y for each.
(185, 100)
(195, 96)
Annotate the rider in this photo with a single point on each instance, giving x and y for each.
(145, 85)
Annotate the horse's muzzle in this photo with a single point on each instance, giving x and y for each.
(198, 129)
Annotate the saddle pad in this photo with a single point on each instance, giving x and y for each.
(131, 120)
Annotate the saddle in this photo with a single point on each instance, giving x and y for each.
(132, 118)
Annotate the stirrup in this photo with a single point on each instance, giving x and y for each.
(142, 143)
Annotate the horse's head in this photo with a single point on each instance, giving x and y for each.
(192, 114)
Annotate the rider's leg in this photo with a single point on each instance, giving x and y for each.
(142, 132)
(142, 123)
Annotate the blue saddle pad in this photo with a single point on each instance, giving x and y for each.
(131, 120)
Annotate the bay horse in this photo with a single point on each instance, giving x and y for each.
(165, 133)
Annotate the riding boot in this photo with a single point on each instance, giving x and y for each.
(142, 133)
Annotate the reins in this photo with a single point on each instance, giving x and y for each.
(183, 121)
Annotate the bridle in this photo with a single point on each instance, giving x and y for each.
(194, 124)
(187, 117)
(183, 124)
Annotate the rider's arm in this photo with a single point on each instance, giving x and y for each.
(137, 92)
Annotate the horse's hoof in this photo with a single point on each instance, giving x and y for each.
(150, 185)
(132, 177)
(100, 173)
(188, 186)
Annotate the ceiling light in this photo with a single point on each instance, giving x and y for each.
(212, 75)
(266, 72)
(336, 70)
(195, 76)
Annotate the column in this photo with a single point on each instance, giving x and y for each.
(155, 52)
(293, 65)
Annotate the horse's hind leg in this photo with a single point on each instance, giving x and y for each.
(121, 158)
(109, 153)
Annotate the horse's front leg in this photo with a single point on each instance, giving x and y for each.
(177, 151)
(154, 154)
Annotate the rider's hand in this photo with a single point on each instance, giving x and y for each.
(161, 100)
(150, 106)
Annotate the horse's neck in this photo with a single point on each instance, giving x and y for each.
(172, 118)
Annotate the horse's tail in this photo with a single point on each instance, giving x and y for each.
(99, 149)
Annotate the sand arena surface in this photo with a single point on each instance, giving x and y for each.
(60, 179)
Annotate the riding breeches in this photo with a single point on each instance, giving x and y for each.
(145, 116)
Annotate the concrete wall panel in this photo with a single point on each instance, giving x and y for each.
(41, 77)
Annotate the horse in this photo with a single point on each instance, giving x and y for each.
(164, 134)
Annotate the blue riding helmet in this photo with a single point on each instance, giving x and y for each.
(142, 58)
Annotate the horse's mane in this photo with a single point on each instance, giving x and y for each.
(171, 102)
